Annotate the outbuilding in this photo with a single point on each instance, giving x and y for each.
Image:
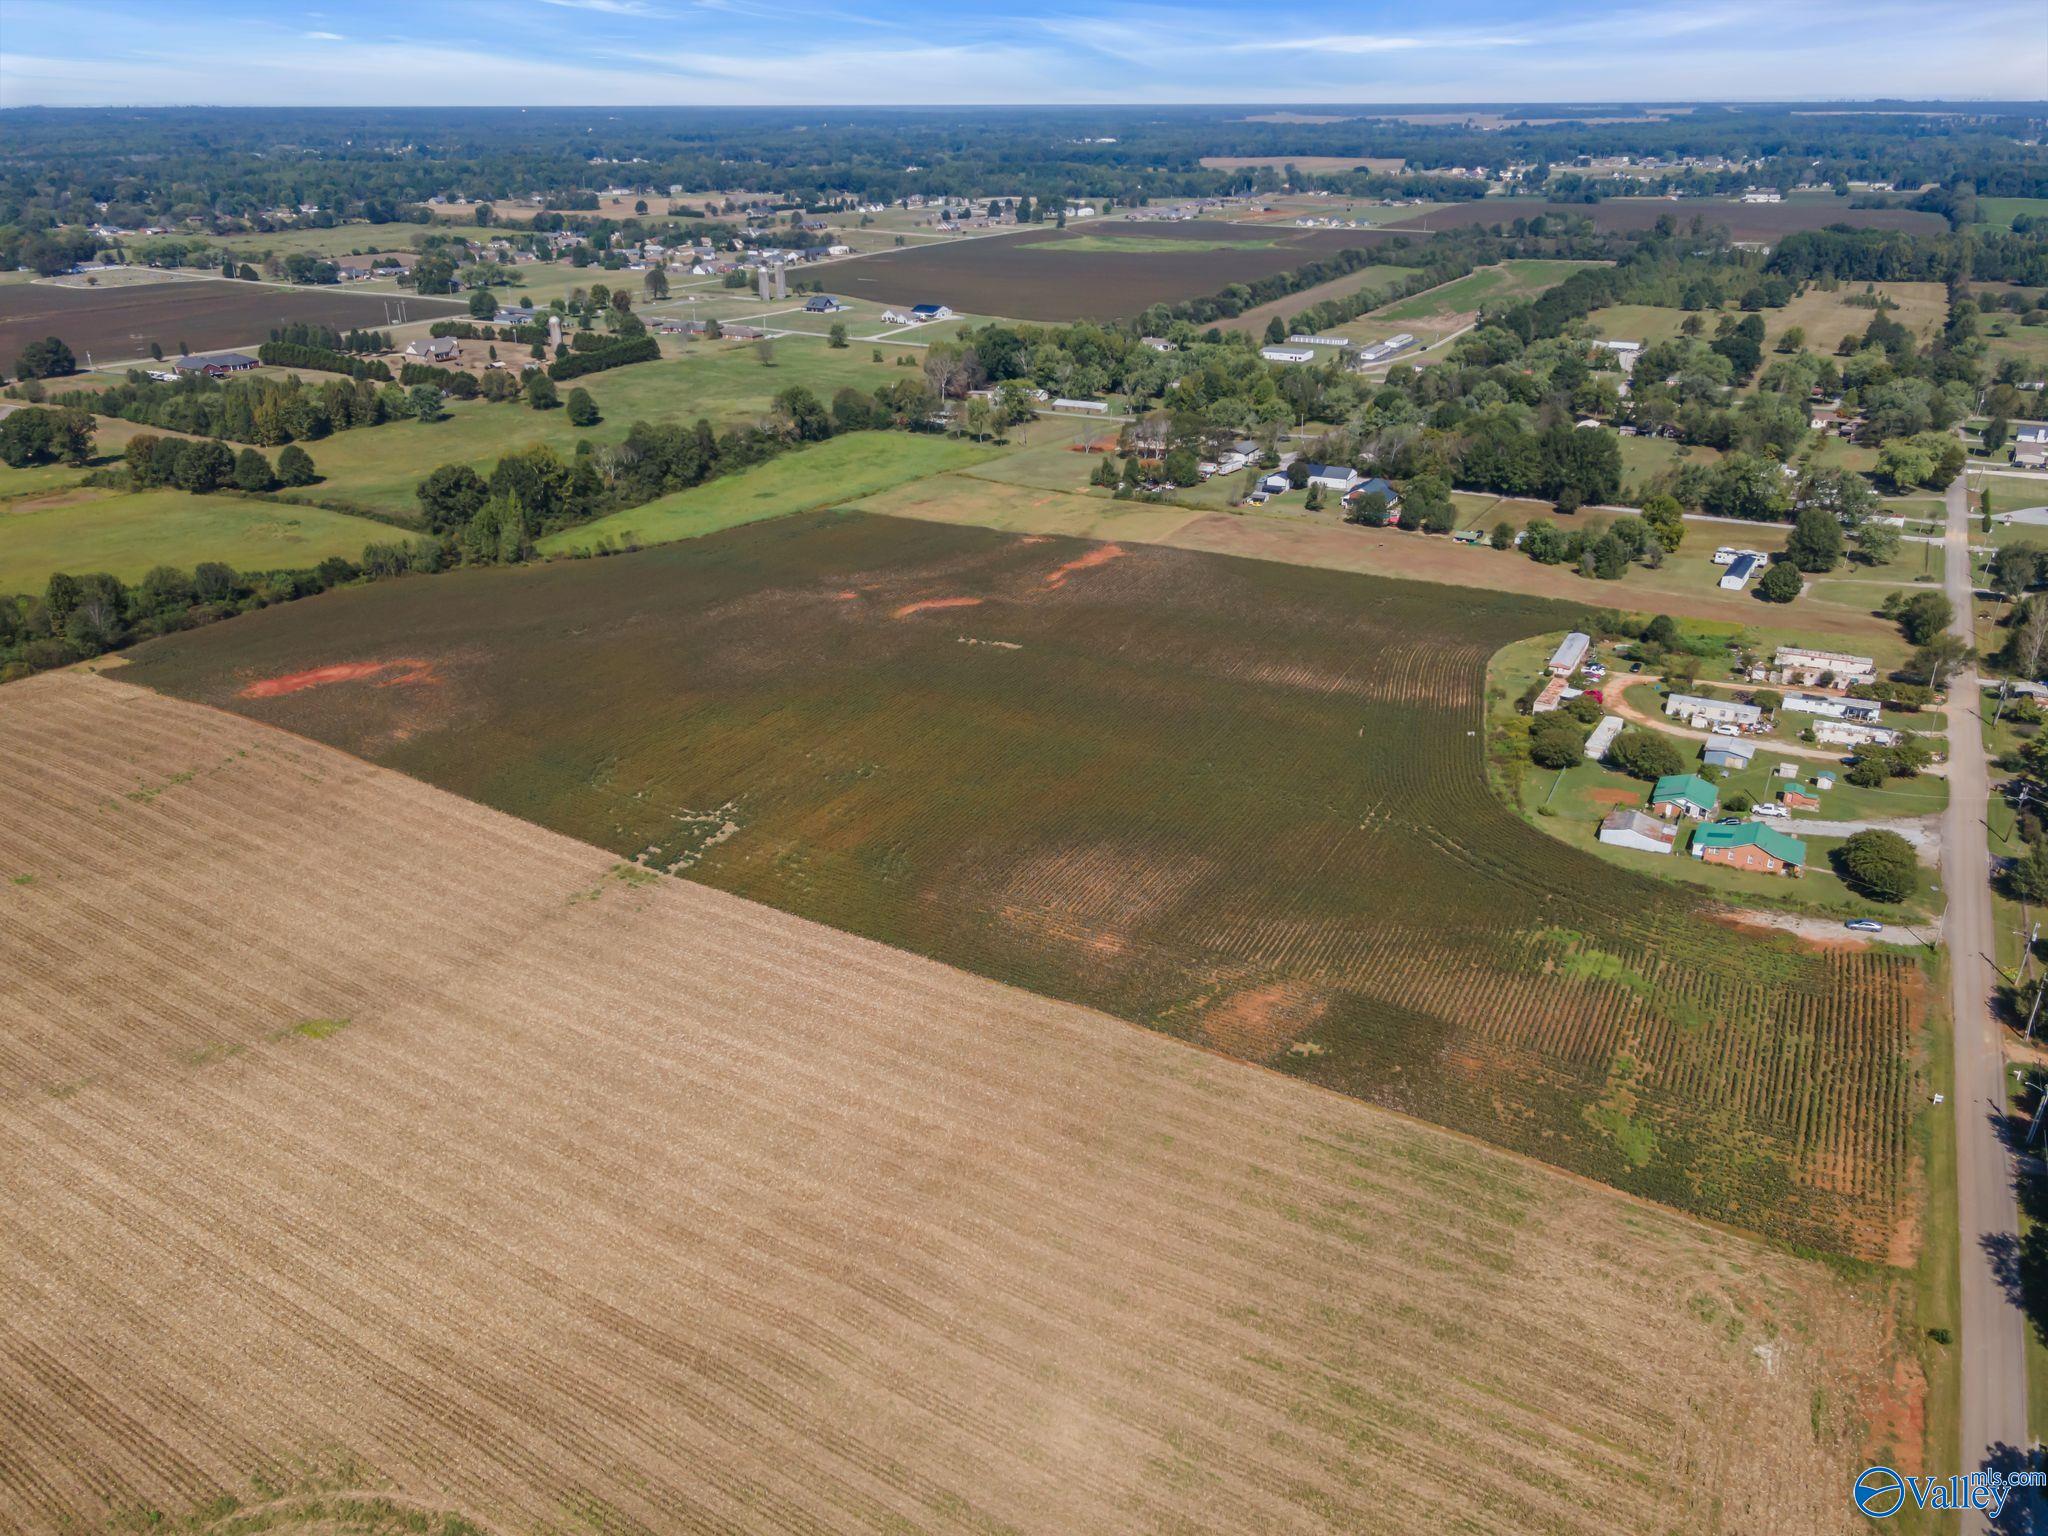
(1632, 829)
(1728, 752)
(1288, 354)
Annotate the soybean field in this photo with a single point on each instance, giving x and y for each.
(1242, 803)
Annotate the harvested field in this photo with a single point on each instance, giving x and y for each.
(1743, 221)
(118, 324)
(1028, 276)
(363, 1149)
(990, 750)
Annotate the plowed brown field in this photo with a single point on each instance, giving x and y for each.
(342, 1119)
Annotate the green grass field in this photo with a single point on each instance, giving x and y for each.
(126, 534)
(2001, 211)
(1239, 801)
(829, 474)
(1510, 280)
(378, 467)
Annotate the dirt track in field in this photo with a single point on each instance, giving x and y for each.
(341, 1118)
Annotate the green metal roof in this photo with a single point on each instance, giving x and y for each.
(1686, 786)
(1779, 845)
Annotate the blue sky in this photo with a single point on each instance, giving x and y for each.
(843, 52)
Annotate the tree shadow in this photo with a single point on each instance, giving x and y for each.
(2025, 1513)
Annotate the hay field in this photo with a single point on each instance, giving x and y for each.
(363, 1150)
(1234, 801)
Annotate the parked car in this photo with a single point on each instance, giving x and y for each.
(1635, 666)
(1865, 925)
(1769, 810)
(1726, 730)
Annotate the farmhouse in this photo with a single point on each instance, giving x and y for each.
(1726, 752)
(1603, 737)
(214, 364)
(2030, 447)
(1333, 477)
(1632, 829)
(1758, 849)
(1377, 487)
(1853, 733)
(822, 304)
(1684, 794)
(435, 349)
(930, 312)
(1564, 661)
(1811, 668)
(1703, 713)
(1865, 710)
(1288, 354)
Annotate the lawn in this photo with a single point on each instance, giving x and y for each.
(1647, 323)
(126, 534)
(378, 467)
(833, 473)
(1645, 458)
(1234, 800)
(1518, 279)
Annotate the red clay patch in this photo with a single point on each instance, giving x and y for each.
(410, 671)
(1102, 554)
(844, 597)
(936, 602)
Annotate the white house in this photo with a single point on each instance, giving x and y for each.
(1333, 477)
(2030, 447)
(1564, 661)
(1853, 733)
(1739, 572)
(1288, 354)
(435, 349)
(1704, 713)
(1603, 737)
(1728, 554)
(1806, 667)
(1865, 710)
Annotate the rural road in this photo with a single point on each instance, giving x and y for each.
(1994, 1385)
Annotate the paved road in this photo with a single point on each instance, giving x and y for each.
(1993, 1327)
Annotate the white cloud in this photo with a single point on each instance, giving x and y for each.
(327, 37)
(608, 7)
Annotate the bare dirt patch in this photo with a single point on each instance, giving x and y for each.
(928, 604)
(1100, 555)
(625, 1196)
(408, 672)
(1259, 1022)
